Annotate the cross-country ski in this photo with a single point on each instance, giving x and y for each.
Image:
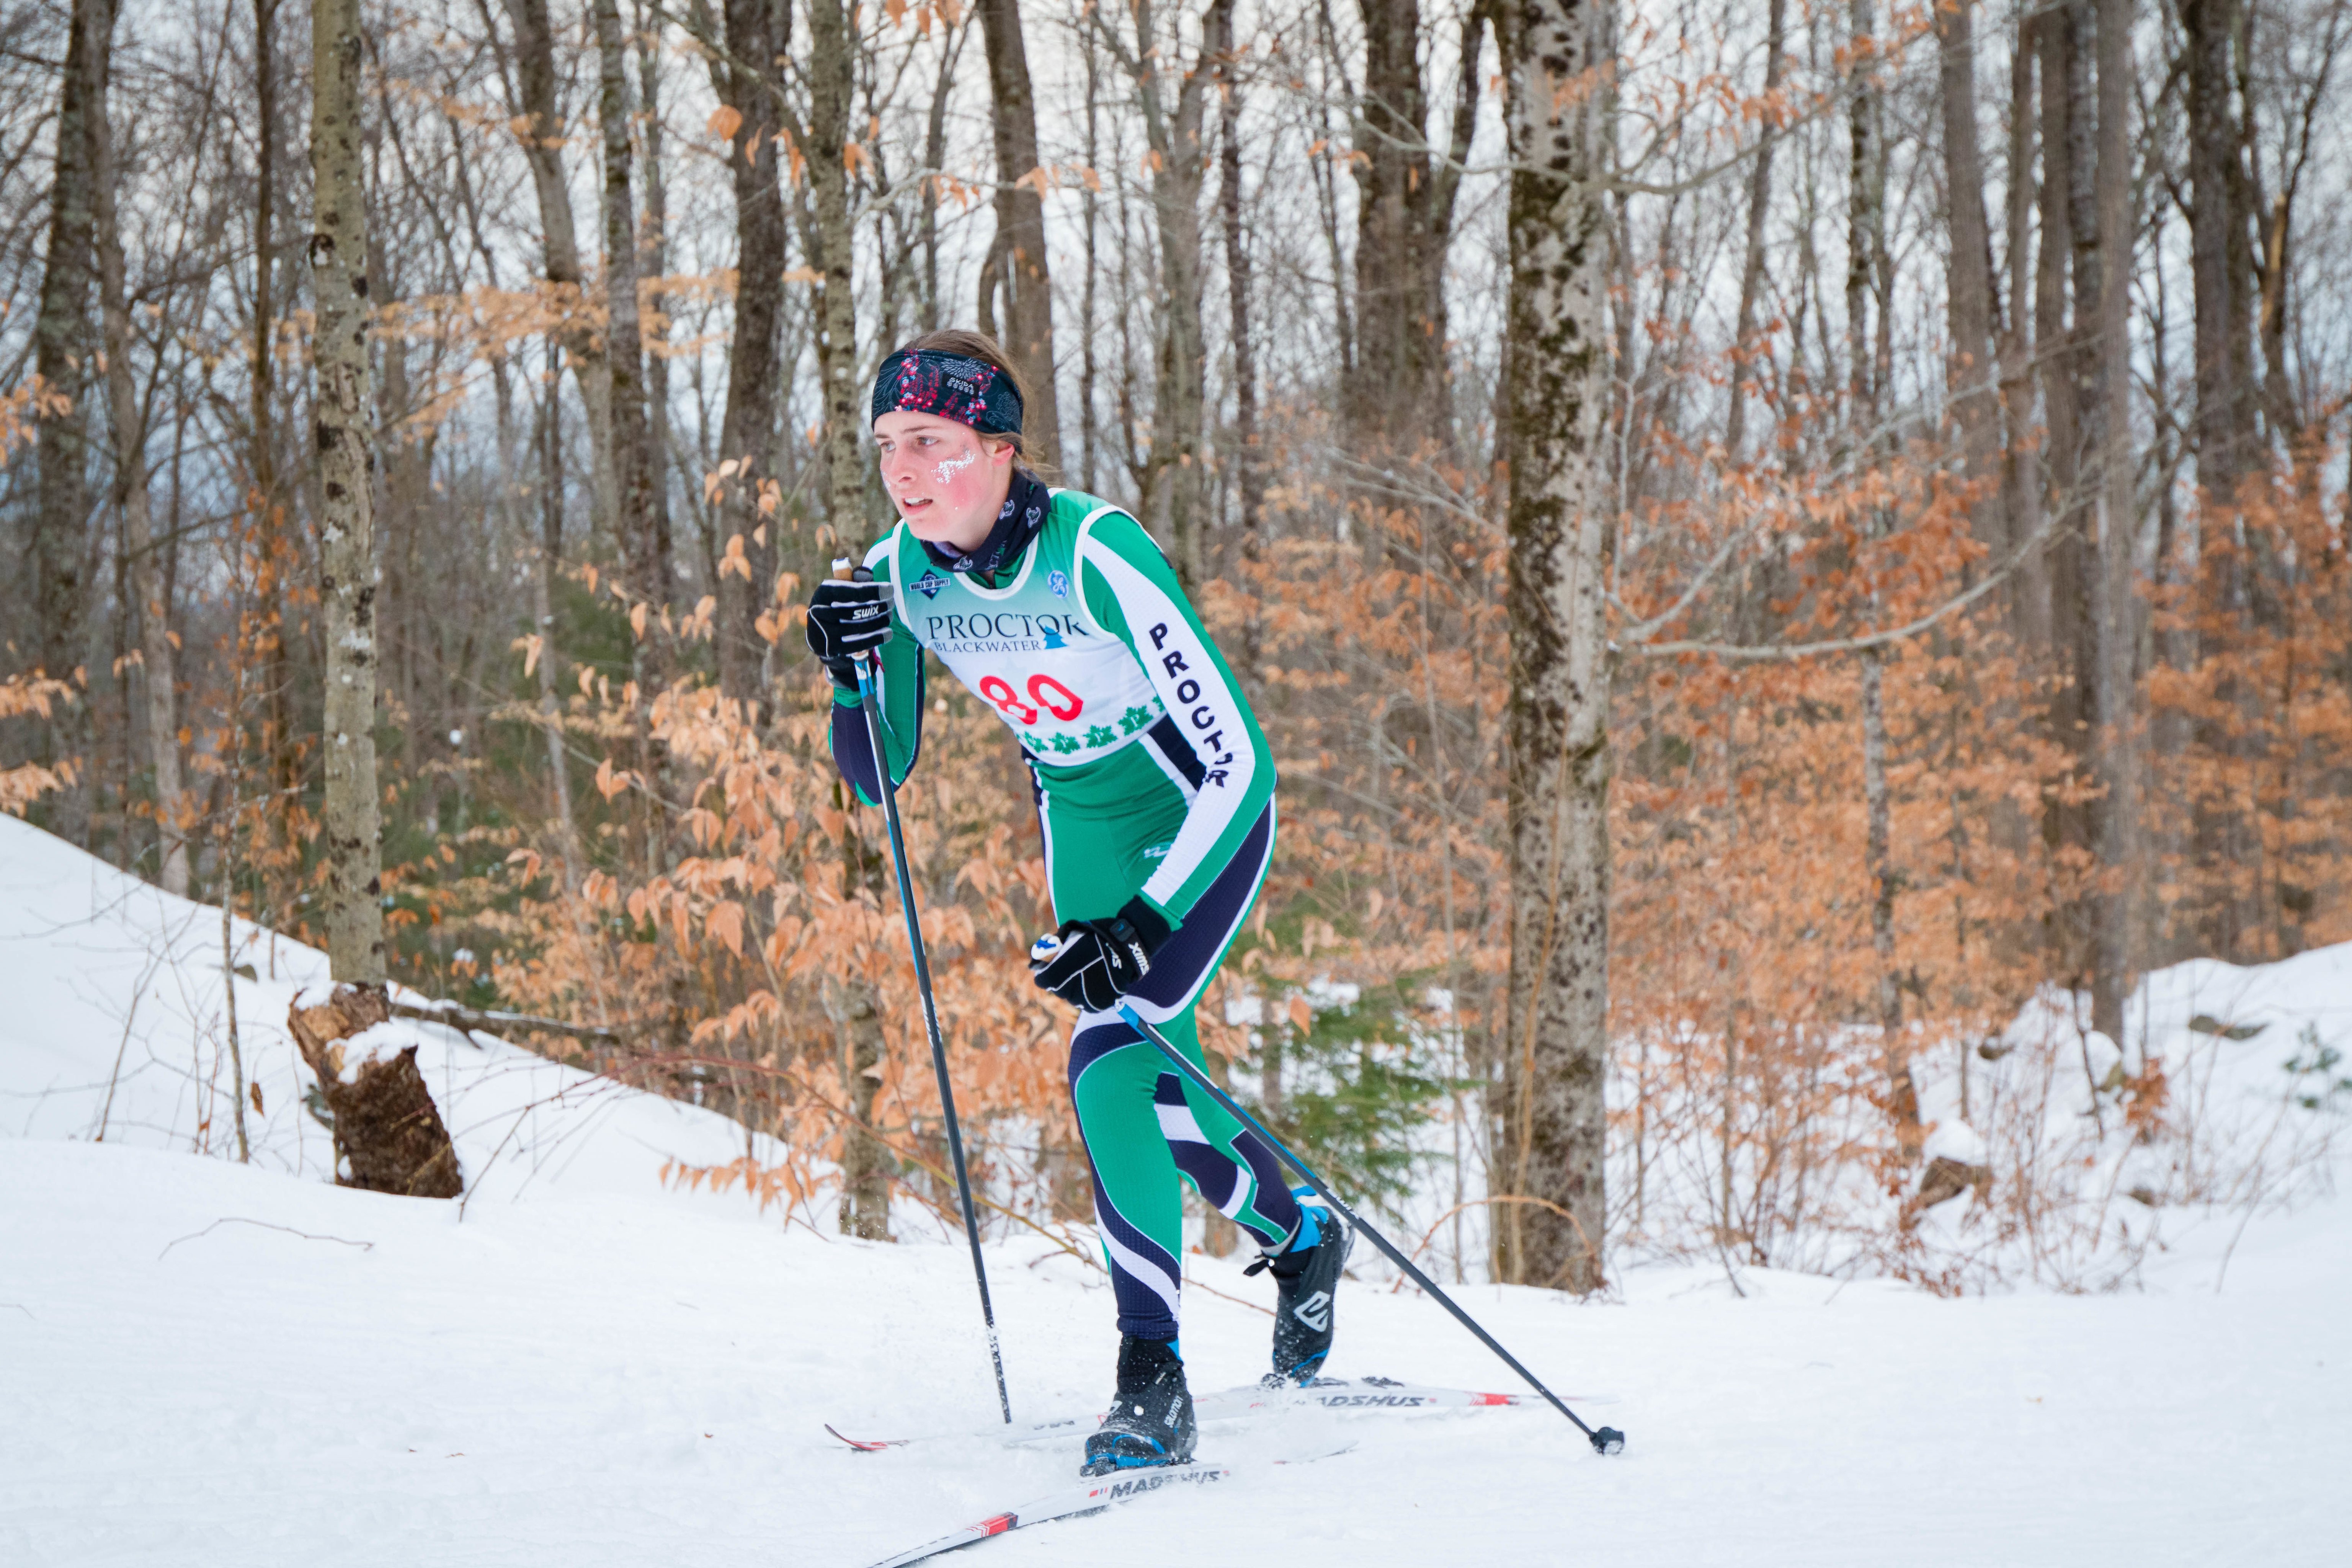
(1092, 1497)
(1352, 1395)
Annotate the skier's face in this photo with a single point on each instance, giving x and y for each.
(946, 479)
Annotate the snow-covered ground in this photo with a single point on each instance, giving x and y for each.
(113, 1028)
(202, 1363)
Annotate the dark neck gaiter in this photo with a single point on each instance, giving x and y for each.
(1017, 522)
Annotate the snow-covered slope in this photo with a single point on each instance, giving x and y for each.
(207, 1363)
(113, 1028)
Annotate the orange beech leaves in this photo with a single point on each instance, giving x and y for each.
(1750, 1114)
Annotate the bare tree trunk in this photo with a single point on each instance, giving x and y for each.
(543, 581)
(2021, 491)
(1558, 54)
(285, 757)
(1173, 477)
(852, 1003)
(404, 461)
(1016, 262)
(2223, 440)
(1865, 302)
(750, 81)
(1865, 227)
(1902, 1092)
(351, 826)
(624, 343)
(2227, 446)
(832, 250)
(1759, 207)
(1391, 167)
(2083, 600)
(1404, 218)
(1436, 229)
(64, 353)
(265, 239)
(1180, 383)
(2066, 821)
(1969, 312)
(865, 1163)
(935, 157)
(1250, 471)
(146, 567)
(1090, 208)
(653, 254)
(2118, 523)
(234, 777)
(541, 133)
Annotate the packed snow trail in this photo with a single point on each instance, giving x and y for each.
(615, 1381)
(204, 1363)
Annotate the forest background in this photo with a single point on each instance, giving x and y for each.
(1949, 612)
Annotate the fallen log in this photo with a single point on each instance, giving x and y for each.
(492, 1021)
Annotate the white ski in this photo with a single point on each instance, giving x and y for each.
(1233, 1404)
(1093, 1495)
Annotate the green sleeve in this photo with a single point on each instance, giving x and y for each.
(1130, 592)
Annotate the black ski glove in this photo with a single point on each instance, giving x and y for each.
(1092, 963)
(845, 619)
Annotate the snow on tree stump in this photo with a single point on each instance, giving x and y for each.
(1958, 1161)
(1946, 1178)
(388, 1133)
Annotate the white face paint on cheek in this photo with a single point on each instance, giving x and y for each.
(947, 472)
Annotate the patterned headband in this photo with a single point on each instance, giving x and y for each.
(968, 390)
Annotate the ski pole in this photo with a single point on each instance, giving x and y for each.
(1607, 1440)
(889, 792)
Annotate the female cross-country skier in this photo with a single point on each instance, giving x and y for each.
(1155, 793)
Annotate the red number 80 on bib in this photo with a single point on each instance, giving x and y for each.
(1044, 691)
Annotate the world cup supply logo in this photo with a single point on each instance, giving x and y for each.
(928, 584)
(1058, 584)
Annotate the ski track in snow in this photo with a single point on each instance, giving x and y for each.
(601, 1371)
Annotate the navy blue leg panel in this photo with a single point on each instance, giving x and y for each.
(1274, 1195)
(1215, 1177)
(1194, 950)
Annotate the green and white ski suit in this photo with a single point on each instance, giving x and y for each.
(1151, 776)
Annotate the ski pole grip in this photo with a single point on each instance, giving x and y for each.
(843, 572)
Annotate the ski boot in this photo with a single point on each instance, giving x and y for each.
(1306, 1277)
(1150, 1419)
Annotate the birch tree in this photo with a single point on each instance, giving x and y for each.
(1558, 54)
(350, 820)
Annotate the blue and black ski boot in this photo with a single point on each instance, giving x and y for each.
(1306, 1277)
(1150, 1419)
